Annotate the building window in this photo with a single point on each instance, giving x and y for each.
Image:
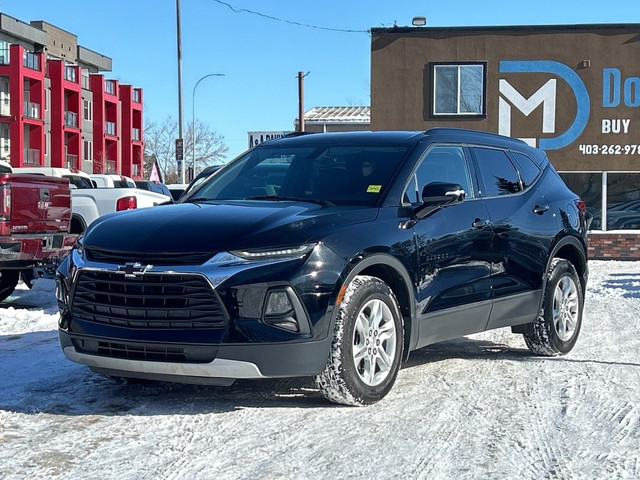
(458, 89)
(85, 79)
(4, 52)
(88, 150)
(110, 87)
(87, 110)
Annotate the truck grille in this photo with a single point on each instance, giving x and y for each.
(148, 301)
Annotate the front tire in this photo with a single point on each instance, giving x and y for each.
(366, 350)
(556, 330)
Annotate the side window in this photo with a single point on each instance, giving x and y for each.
(441, 164)
(528, 169)
(498, 173)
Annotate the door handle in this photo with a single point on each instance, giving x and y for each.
(540, 209)
(480, 224)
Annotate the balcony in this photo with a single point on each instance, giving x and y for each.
(136, 134)
(5, 105)
(71, 161)
(110, 128)
(136, 96)
(70, 74)
(31, 110)
(110, 87)
(135, 170)
(4, 56)
(31, 157)
(31, 60)
(111, 167)
(71, 119)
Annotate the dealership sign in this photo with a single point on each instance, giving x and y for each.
(256, 138)
(617, 91)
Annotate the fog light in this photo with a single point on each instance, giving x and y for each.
(278, 303)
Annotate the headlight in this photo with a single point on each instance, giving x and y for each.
(273, 253)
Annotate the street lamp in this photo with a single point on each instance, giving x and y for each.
(193, 125)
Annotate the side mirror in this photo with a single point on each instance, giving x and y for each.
(437, 195)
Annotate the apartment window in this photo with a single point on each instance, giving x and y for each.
(458, 89)
(136, 95)
(110, 87)
(31, 60)
(70, 74)
(87, 110)
(4, 53)
(88, 150)
(85, 79)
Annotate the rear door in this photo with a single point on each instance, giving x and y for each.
(524, 227)
(454, 245)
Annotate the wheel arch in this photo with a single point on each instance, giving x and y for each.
(573, 250)
(391, 271)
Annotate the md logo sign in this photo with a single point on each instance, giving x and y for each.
(546, 97)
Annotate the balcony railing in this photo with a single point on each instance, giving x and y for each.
(31, 110)
(136, 96)
(110, 87)
(135, 170)
(110, 128)
(4, 56)
(71, 119)
(111, 166)
(31, 60)
(136, 134)
(31, 157)
(70, 74)
(5, 105)
(71, 161)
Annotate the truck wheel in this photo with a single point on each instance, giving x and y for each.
(556, 330)
(367, 345)
(8, 282)
(28, 275)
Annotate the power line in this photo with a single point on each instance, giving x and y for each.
(291, 22)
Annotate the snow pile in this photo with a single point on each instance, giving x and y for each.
(477, 407)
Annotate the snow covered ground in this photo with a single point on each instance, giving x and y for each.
(478, 407)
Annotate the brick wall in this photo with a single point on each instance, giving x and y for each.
(614, 246)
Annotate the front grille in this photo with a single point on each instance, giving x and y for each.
(106, 256)
(147, 301)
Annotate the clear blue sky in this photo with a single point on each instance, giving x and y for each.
(261, 57)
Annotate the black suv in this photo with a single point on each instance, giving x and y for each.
(334, 256)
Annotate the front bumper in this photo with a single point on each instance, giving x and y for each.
(231, 362)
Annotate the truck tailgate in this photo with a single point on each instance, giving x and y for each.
(34, 204)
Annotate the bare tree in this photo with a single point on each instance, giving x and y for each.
(159, 141)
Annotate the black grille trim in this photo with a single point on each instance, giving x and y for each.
(106, 256)
(147, 301)
(146, 351)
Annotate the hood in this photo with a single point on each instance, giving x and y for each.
(224, 226)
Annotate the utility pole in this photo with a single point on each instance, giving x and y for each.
(301, 100)
(179, 140)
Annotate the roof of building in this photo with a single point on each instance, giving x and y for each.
(352, 114)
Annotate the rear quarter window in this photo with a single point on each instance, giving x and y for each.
(498, 173)
(528, 169)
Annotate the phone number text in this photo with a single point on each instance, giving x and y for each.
(609, 149)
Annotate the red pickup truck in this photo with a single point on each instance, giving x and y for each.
(35, 217)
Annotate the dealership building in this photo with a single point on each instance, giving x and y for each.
(58, 109)
(571, 90)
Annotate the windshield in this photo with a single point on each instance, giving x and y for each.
(339, 175)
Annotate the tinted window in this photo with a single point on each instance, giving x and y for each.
(441, 164)
(529, 171)
(78, 181)
(342, 175)
(499, 175)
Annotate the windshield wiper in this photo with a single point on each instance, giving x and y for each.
(284, 198)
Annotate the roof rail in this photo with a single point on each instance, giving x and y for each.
(454, 131)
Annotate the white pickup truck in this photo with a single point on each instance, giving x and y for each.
(88, 202)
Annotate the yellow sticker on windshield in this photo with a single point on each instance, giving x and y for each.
(374, 188)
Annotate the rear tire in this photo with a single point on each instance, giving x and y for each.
(556, 330)
(366, 350)
(8, 282)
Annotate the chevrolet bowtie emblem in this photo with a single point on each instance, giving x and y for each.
(131, 270)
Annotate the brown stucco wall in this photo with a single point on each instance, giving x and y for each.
(401, 83)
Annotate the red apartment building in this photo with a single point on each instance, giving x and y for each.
(58, 110)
